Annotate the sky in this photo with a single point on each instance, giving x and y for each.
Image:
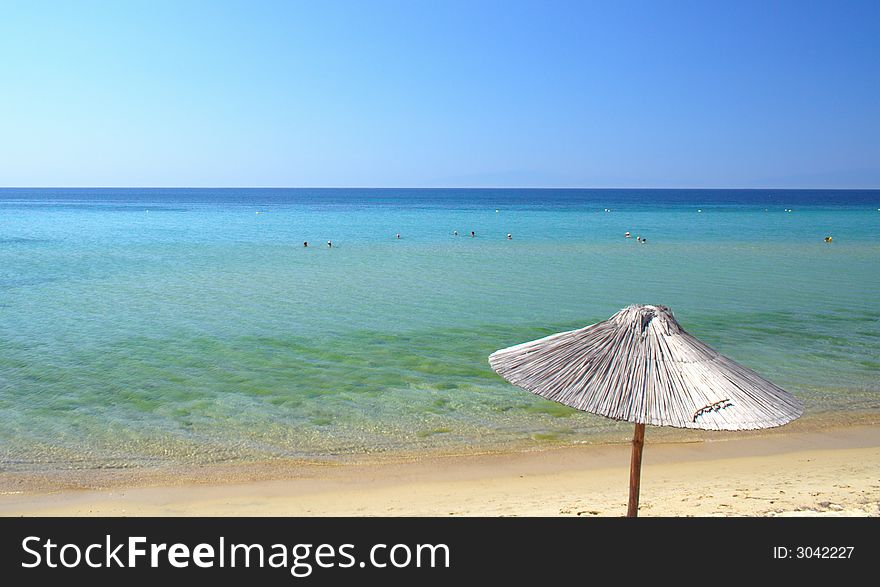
(440, 93)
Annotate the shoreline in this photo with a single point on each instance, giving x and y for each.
(830, 471)
(49, 479)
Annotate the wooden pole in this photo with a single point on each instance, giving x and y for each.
(635, 471)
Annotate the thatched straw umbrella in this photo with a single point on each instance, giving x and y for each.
(640, 366)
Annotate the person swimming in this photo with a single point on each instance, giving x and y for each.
(454, 233)
(330, 244)
(398, 235)
(305, 243)
(626, 234)
(509, 236)
(472, 234)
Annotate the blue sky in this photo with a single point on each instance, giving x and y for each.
(419, 93)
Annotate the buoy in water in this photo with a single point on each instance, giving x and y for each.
(626, 234)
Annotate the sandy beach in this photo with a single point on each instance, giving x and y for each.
(803, 473)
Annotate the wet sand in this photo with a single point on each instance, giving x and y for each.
(832, 471)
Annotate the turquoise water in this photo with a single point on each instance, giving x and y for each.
(143, 327)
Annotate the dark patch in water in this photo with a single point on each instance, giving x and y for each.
(23, 241)
(12, 282)
(90, 207)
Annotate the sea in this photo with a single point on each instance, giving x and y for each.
(147, 327)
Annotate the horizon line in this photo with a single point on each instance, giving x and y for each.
(177, 187)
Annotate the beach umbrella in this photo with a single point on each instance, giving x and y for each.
(641, 366)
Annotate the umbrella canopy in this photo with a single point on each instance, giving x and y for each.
(641, 366)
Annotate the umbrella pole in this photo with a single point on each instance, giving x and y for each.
(635, 471)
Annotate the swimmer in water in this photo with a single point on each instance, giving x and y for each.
(306, 243)
(472, 234)
(330, 244)
(626, 234)
(509, 236)
(398, 235)
(454, 233)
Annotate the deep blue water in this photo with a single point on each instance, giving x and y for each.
(451, 198)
